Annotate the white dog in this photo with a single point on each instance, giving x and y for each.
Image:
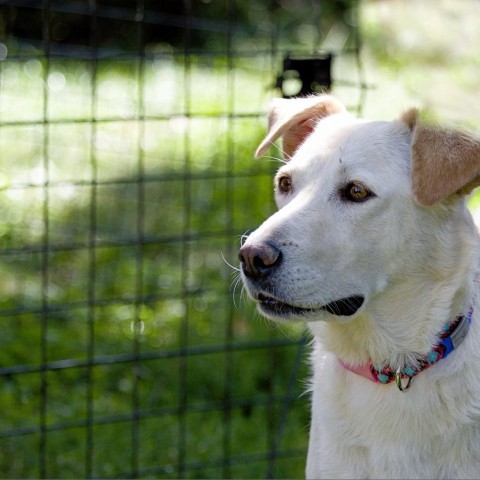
(374, 247)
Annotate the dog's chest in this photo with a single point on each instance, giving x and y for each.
(387, 432)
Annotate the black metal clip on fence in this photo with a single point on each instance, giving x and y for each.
(305, 75)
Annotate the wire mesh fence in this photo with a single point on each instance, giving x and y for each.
(126, 141)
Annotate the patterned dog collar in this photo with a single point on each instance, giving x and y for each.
(449, 339)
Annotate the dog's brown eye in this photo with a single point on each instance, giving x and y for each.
(356, 192)
(285, 184)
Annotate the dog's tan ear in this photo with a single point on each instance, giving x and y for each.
(444, 162)
(294, 119)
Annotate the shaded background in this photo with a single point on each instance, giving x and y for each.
(127, 179)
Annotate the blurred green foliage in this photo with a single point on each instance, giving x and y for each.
(112, 183)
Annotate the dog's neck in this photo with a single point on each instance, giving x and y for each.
(402, 323)
(396, 337)
(449, 339)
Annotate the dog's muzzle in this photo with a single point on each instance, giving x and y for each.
(259, 260)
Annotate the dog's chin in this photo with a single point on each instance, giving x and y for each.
(276, 309)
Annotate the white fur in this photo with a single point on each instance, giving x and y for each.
(416, 267)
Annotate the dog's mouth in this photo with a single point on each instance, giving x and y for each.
(344, 307)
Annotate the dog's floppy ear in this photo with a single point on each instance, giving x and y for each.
(444, 161)
(294, 119)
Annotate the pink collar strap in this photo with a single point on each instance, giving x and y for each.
(449, 339)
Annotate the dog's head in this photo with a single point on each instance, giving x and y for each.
(357, 204)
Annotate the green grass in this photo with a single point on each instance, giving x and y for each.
(111, 182)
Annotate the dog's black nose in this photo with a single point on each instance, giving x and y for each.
(258, 259)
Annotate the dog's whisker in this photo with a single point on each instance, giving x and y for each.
(237, 281)
(243, 237)
(288, 157)
(229, 264)
(243, 234)
(233, 294)
(242, 291)
(281, 160)
(236, 277)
